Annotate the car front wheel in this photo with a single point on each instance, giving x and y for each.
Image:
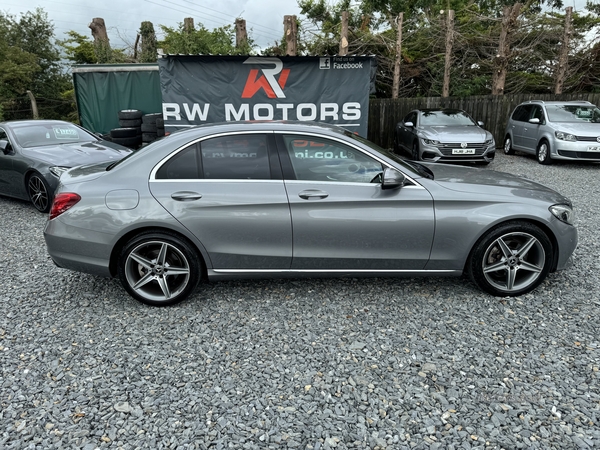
(159, 269)
(39, 193)
(510, 260)
(508, 150)
(543, 153)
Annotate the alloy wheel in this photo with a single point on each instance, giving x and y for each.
(38, 193)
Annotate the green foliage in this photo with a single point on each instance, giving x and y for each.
(79, 48)
(200, 40)
(30, 60)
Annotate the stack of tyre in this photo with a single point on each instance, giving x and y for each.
(129, 133)
(153, 127)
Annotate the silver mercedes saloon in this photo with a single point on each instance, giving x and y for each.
(298, 199)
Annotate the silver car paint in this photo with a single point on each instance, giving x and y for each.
(462, 213)
(526, 136)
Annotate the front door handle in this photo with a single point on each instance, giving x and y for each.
(186, 196)
(313, 194)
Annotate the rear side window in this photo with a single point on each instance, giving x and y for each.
(237, 157)
(522, 113)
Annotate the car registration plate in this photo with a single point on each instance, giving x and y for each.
(463, 151)
(594, 148)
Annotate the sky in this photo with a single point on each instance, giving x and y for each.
(264, 18)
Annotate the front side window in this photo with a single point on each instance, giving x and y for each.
(318, 159)
(522, 113)
(222, 158)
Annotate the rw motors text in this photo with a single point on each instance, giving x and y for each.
(194, 112)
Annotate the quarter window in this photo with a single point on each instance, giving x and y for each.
(316, 159)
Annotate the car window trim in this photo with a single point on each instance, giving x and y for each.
(187, 145)
(284, 155)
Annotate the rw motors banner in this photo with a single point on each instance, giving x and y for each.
(205, 89)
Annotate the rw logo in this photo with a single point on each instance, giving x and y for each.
(273, 87)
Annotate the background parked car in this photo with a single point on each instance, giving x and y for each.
(274, 199)
(554, 130)
(444, 135)
(34, 153)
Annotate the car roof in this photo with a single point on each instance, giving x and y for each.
(556, 102)
(446, 110)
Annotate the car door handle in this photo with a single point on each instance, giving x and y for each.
(186, 196)
(313, 193)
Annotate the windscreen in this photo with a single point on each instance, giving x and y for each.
(41, 134)
(573, 113)
(445, 118)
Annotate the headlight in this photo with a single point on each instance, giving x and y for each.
(58, 170)
(430, 142)
(489, 142)
(565, 136)
(564, 213)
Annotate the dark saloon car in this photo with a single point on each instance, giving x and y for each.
(34, 153)
(295, 199)
(444, 135)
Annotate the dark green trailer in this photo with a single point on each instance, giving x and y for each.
(102, 90)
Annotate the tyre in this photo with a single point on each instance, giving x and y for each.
(123, 132)
(415, 151)
(160, 132)
(132, 142)
(159, 269)
(39, 192)
(543, 153)
(511, 259)
(149, 128)
(160, 122)
(148, 137)
(508, 150)
(130, 114)
(130, 122)
(151, 118)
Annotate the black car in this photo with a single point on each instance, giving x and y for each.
(33, 154)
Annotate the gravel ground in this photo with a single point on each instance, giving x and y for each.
(314, 364)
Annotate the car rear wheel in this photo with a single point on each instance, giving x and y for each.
(543, 153)
(159, 269)
(508, 150)
(415, 151)
(39, 193)
(511, 260)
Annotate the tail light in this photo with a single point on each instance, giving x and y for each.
(63, 202)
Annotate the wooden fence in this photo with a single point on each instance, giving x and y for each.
(492, 110)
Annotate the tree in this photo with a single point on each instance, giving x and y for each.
(79, 48)
(30, 60)
(199, 40)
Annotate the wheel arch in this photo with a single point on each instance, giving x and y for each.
(123, 240)
(541, 225)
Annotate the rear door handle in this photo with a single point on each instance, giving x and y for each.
(313, 194)
(186, 196)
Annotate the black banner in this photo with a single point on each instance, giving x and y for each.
(206, 89)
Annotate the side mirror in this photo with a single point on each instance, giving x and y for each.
(5, 147)
(534, 121)
(480, 123)
(392, 179)
(409, 124)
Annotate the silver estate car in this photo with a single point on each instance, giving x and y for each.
(554, 131)
(297, 199)
(444, 135)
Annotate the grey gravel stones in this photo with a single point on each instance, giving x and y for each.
(314, 364)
